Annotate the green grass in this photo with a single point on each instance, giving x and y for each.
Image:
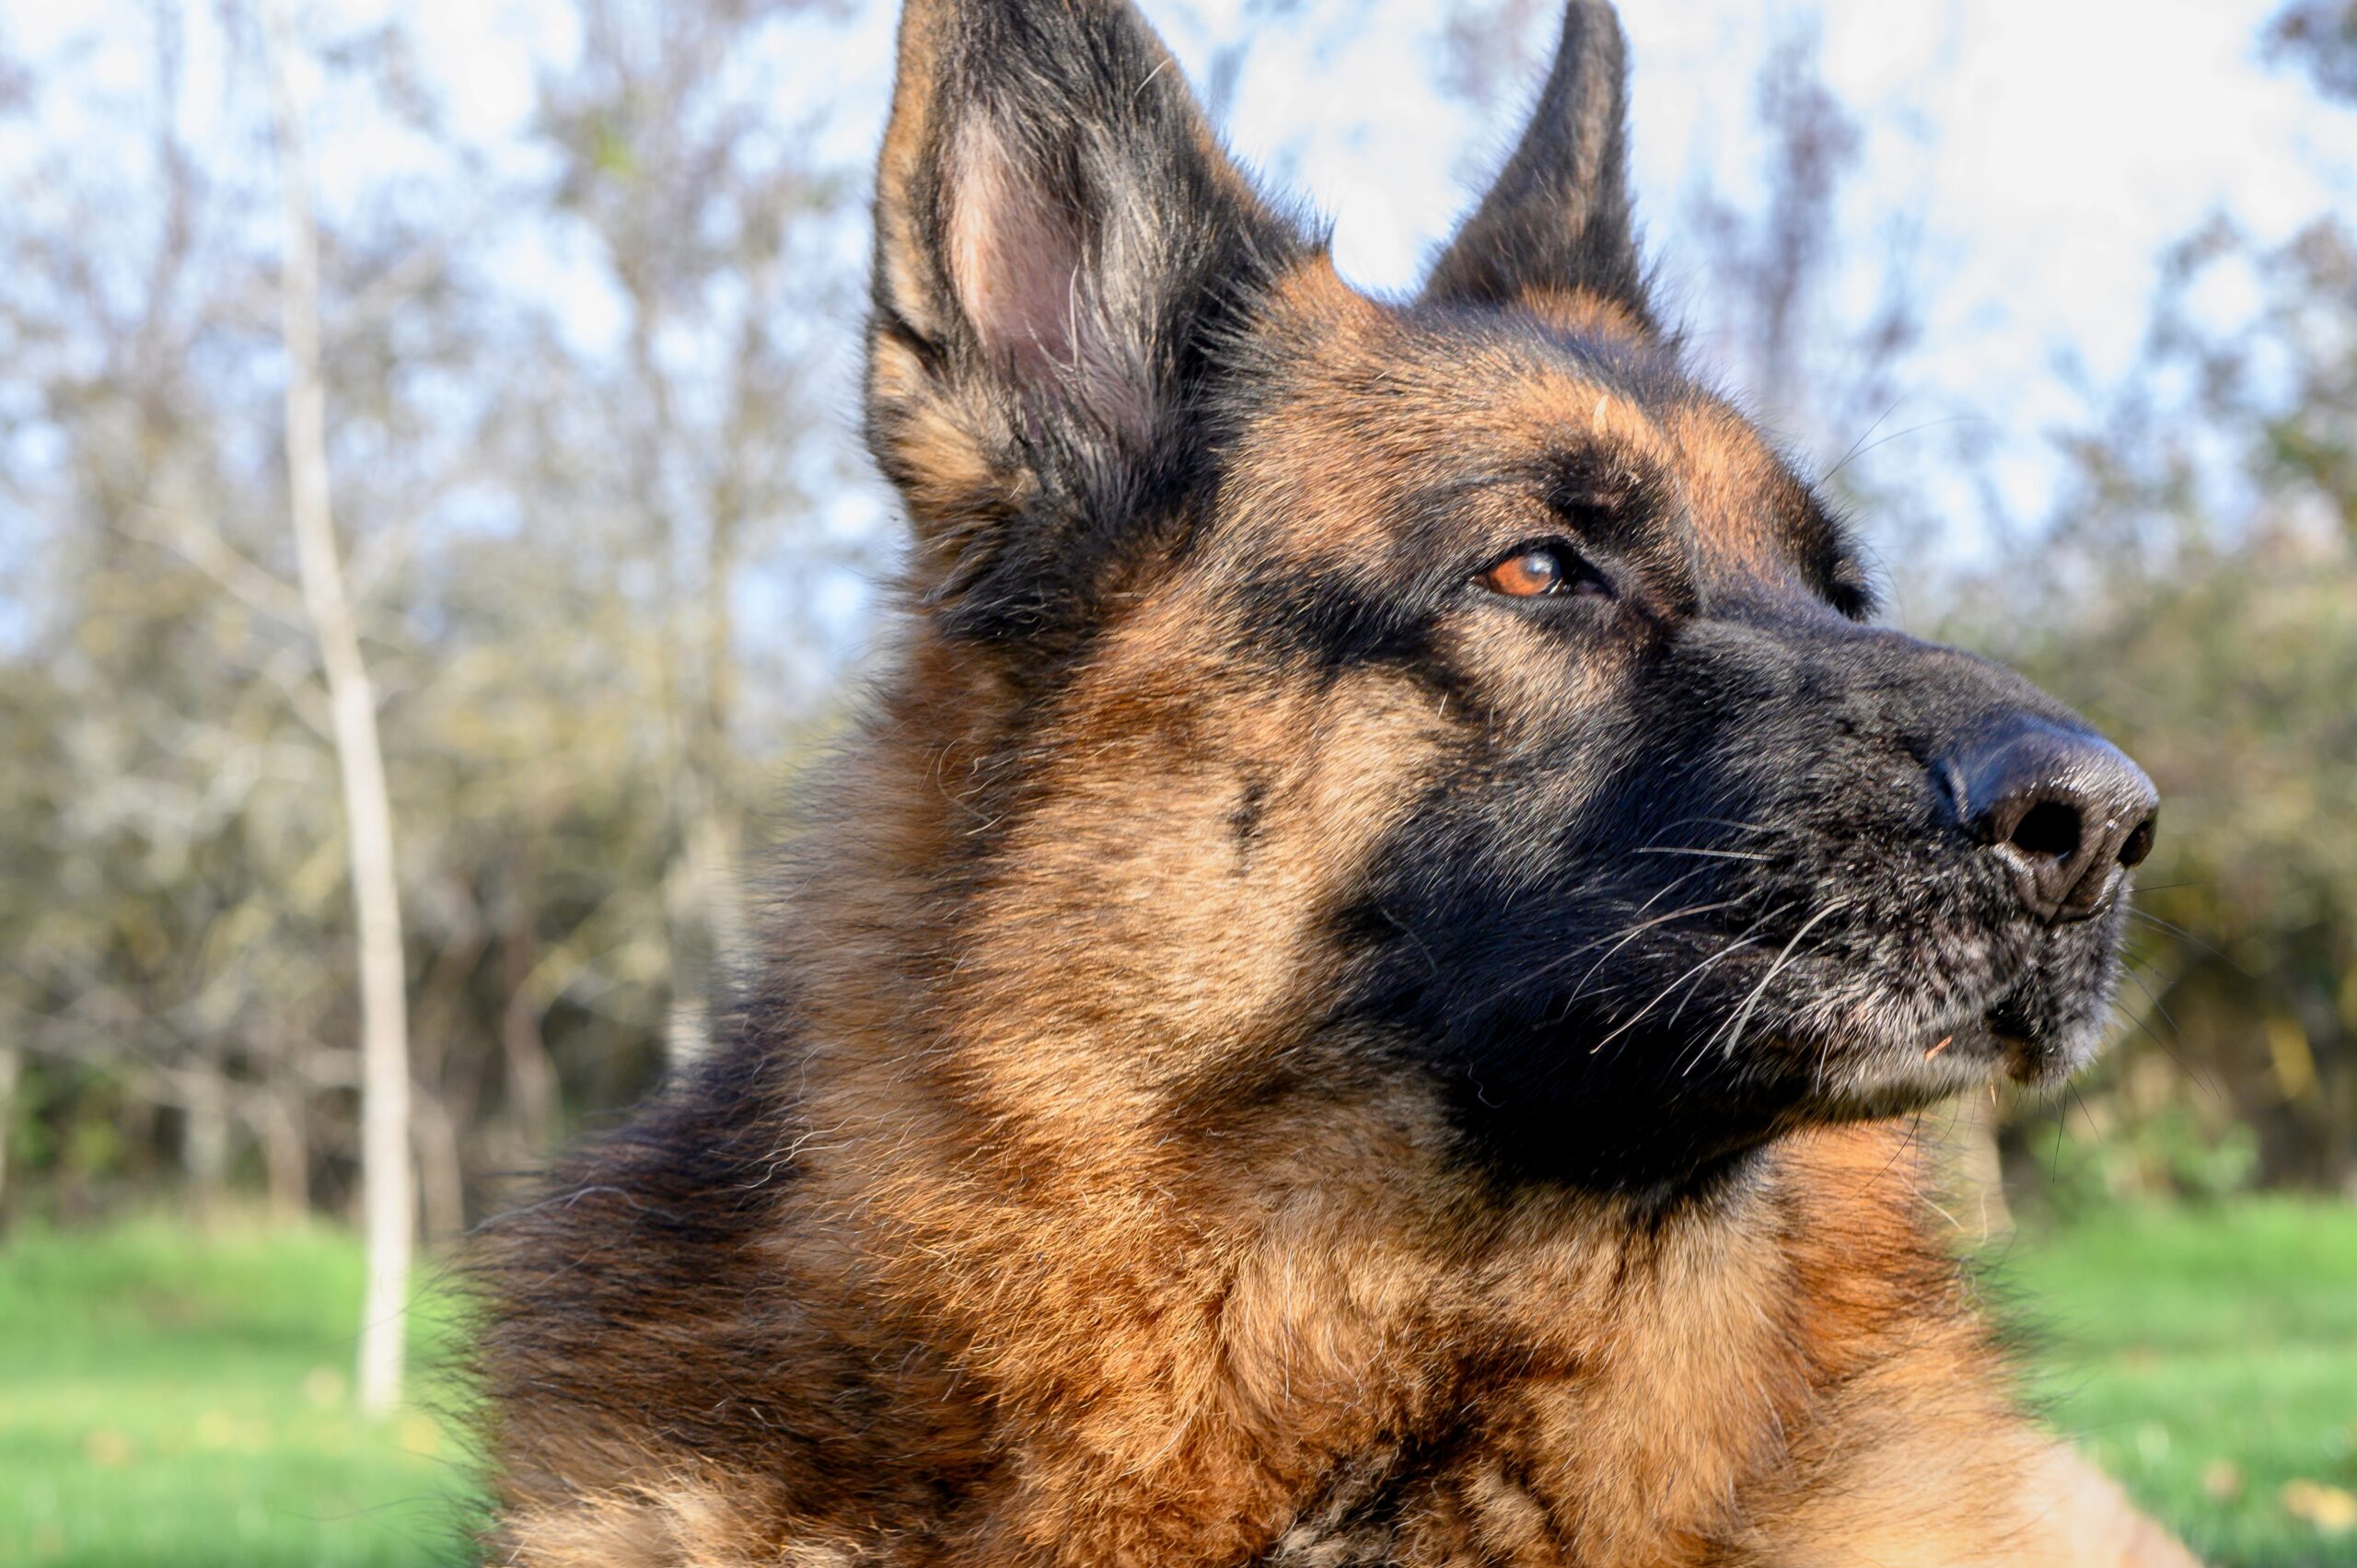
(170, 1400)
(2208, 1358)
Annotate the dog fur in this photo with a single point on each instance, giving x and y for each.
(1242, 1077)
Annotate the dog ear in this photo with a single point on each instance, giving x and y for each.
(1556, 225)
(1060, 247)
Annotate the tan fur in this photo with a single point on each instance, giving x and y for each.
(1160, 1345)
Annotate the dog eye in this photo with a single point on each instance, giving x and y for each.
(1540, 570)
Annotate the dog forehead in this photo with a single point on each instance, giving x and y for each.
(1751, 516)
(1364, 407)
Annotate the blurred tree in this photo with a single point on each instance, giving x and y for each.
(387, 1217)
(168, 805)
(593, 515)
(1775, 307)
(674, 163)
(549, 598)
(2320, 37)
(2198, 598)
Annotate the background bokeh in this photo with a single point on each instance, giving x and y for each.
(2061, 300)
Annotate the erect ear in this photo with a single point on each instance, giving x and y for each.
(1062, 248)
(1554, 231)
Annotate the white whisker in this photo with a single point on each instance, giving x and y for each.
(1744, 1014)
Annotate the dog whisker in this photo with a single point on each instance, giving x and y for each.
(1744, 1016)
(1665, 992)
(1714, 853)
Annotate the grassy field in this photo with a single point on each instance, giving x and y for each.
(168, 1401)
(2208, 1358)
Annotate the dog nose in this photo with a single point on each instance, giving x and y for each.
(2067, 812)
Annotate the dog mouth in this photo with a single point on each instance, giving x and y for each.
(1847, 1009)
(2036, 1023)
(1803, 978)
(1979, 1050)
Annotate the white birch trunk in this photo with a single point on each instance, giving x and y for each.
(386, 1186)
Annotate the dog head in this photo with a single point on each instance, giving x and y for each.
(1454, 693)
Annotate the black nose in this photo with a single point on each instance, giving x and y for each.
(2067, 811)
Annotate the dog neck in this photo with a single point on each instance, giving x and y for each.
(1224, 1316)
(1295, 1339)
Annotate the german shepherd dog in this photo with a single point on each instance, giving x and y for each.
(1359, 999)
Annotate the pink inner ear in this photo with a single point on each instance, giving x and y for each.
(1018, 261)
(1015, 255)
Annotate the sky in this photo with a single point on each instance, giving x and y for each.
(2049, 147)
(2041, 153)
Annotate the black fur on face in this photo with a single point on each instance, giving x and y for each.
(1734, 897)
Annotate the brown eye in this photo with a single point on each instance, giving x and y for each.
(1536, 571)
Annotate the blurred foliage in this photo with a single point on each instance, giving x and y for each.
(2197, 599)
(2319, 36)
(551, 525)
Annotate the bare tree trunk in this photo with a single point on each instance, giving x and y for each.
(441, 1171)
(713, 830)
(699, 926)
(532, 1087)
(11, 1063)
(205, 1136)
(699, 900)
(368, 818)
(286, 1154)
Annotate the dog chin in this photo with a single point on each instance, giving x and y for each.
(1897, 1077)
(1902, 1077)
(2046, 1063)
